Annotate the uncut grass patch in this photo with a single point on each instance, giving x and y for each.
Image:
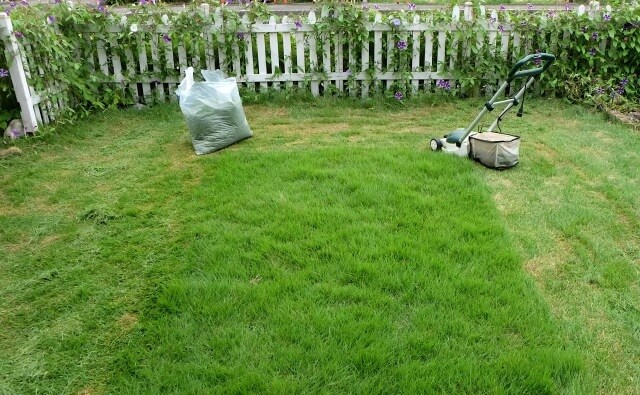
(332, 251)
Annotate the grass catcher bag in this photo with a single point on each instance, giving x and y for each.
(495, 150)
(213, 111)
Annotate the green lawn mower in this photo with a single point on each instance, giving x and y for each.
(492, 149)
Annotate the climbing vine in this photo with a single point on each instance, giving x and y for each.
(598, 57)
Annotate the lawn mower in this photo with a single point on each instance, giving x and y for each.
(495, 150)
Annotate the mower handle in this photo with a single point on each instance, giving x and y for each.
(516, 73)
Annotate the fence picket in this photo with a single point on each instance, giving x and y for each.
(339, 60)
(115, 58)
(131, 73)
(195, 53)
(516, 50)
(415, 54)
(210, 50)
(326, 60)
(505, 35)
(351, 82)
(248, 52)
(326, 53)
(182, 56)
(442, 37)
(222, 57)
(262, 59)
(389, 57)
(377, 48)
(286, 51)
(313, 57)
(88, 56)
(103, 61)
(40, 104)
(300, 51)
(275, 52)
(455, 44)
(493, 32)
(170, 65)
(428, 55)
(144, 68)
(364, 60)
(155, 63)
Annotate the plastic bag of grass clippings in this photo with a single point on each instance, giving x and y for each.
(213, 111)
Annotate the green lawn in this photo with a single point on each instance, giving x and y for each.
(332, 252)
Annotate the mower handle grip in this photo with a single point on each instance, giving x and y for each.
(516, 73)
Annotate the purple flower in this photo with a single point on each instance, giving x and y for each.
(14, 133)
(592, 52)
(240, 35)
(568, 7)
(376, 7)
(365, 7)
(620, 90)
(536, 58)
(12, 4)
(399, 96)
(102, 9)
(551, 14)
(411, 6)
(57, 1)
(166, 38)
(18, 34)
(529, 6)
(606, 17)
(298, 24)
(599, 91)
(502, 8)
(402, 45)
(51, 19)
(396, 22)
(501, 29)
(443, 84)
(624, 81)
(4, 73)
(24, 2)
(142, 2)
(594, 36)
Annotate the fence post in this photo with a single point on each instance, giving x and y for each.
(18, 76)
(468, 11)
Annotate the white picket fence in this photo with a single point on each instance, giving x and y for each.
(276, 55)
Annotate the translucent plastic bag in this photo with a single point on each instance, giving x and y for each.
(213, 111)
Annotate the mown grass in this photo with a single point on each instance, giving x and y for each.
(331, 252)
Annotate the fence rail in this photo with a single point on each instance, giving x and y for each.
(149, 62)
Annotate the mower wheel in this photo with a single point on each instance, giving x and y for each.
(436, 145)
